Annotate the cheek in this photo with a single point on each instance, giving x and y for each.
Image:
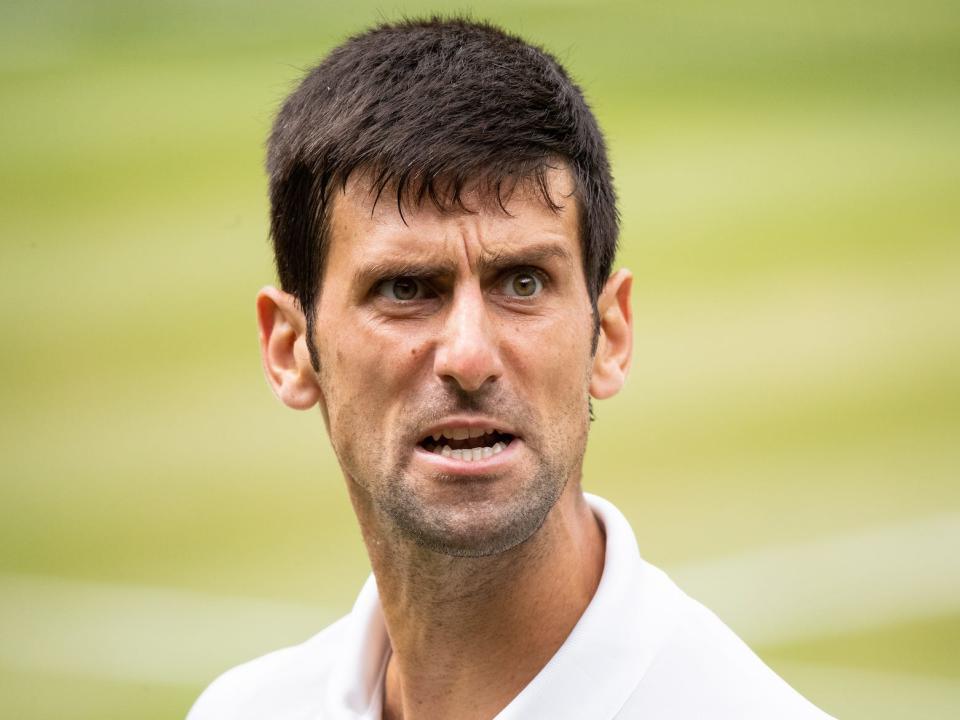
(365, 376)
(344, 375)
(552, 371)
(552, 355)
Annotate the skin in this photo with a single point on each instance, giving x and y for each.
(483, 568)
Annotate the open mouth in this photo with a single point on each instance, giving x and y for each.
(469, 444)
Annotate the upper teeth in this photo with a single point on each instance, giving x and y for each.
(461, 433)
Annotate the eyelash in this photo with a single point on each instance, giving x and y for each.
(534, 272)
(424, 284)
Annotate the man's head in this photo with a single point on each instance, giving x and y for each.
(444, 224)
(426, 109)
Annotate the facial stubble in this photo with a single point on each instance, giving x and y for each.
(478, 522)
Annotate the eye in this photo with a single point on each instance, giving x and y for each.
(523, 283)
(403, 289)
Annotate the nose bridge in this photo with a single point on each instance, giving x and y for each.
(467, 351)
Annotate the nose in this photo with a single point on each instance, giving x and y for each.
(467, 352)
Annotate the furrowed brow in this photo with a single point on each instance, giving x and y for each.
(529, 255)
(368, 274)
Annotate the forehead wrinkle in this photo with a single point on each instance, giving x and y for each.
(494, 241)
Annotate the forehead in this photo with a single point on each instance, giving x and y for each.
(364, 227)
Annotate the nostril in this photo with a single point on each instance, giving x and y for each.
(470, 359)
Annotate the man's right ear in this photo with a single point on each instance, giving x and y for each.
(283, 348)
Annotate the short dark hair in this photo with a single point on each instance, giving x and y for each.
(427, 108)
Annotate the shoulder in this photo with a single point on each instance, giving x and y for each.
(286, 683)
(703, 669)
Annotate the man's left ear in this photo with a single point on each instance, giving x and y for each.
(611, 362)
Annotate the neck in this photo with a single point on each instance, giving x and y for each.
(468, 634)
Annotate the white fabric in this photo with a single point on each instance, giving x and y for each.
(642, 649)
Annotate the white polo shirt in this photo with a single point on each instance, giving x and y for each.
(641, 649)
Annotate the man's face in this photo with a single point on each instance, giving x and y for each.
(455, 353)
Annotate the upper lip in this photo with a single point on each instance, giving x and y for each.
(471, 422)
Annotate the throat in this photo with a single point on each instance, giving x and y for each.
(448, 663)
(452, 620)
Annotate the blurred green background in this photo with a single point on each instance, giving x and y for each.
(787, 447)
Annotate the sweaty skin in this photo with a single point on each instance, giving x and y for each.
(436, 323)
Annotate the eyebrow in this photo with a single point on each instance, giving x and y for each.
(487, 263)
(526, 255)
(367, 274)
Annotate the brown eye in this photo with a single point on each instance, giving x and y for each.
(401, 289)
(523, 284)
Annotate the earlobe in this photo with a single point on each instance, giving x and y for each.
(615, 347)
(283, 349)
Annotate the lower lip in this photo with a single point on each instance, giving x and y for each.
(466, 468)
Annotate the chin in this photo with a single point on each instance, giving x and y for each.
(473, 527)
(473, 542)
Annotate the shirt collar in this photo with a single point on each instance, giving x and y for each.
(591, 675)
(612, 645)
(355, 686)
